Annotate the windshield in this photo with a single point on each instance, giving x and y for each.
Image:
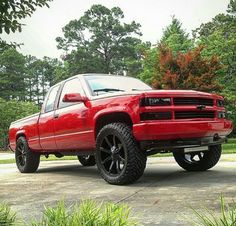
(100, 84)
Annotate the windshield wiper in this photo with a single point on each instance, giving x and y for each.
(108, 90)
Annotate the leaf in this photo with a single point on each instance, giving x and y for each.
(7, 30)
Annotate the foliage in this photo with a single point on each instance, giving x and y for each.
(12, 72)
(26, 78)
(12, 11)
(176, 38)
(7, 216)
(186, 70)
(11, 111)
(88, 213)
(150, 63)
(41, 74)
(100, 42)
(207, 217)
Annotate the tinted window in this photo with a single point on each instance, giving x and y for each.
(71, 86)
(51, 99)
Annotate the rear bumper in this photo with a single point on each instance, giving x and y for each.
(181, 129)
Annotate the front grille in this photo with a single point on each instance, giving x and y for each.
(192, 101)
(194, 114)
(155, 116)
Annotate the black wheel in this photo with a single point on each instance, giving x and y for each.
(26, 160)
(199, 161)
(118, 158)
(87, 160)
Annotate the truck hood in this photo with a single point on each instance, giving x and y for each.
(179, 93)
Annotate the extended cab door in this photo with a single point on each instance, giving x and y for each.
(46, 120)
(72, 131)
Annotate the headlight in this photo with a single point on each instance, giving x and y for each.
(220, 103)
(153, 101)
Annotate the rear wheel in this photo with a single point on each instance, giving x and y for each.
(26, 160)
(118, 158)
(199, 161)
(87, 160)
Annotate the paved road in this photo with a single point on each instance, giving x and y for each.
(161, 197)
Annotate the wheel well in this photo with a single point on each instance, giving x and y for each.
(20, 135)
(112, 118)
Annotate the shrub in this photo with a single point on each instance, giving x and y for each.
(88, 213)
(7, 216)
(227, 216)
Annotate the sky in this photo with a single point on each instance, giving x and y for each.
(40, 30)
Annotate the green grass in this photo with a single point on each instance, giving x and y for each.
(206, 217)
(87, 213)
(7, 216)
(228, 148)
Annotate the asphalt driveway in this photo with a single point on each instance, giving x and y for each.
(161, 197)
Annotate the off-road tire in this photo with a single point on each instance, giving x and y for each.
(88, 160)
(209, 159)
(135, 159)
(28, 162)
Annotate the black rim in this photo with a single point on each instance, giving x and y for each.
(21, 154)
(194, 157)
(112, 155)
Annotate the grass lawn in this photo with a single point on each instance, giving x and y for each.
(228, 148)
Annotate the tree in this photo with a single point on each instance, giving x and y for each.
(12, 11)
(219, 38)
(150, 63)
(100, 42)
(12, 75)
(176, 38)
(41, 74)
(187, 70)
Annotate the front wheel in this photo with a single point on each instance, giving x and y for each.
(87, 160)
(26, 160)
(118, 158)
(199, 161)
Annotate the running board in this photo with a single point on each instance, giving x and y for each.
(196, 149)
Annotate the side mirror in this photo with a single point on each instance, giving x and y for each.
(73, 97)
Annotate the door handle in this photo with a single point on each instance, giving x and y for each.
(56, 116)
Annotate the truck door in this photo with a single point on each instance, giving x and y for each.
(72, 131)
(46, 121)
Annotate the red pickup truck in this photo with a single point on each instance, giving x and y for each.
(116, 122)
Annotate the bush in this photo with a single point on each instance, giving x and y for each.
(11, 111)
(88, 213)
(7, 216)
(227, 216)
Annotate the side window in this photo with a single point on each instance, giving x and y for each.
(71, 86)
(51, 99)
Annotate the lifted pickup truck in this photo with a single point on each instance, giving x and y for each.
(116, 122)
